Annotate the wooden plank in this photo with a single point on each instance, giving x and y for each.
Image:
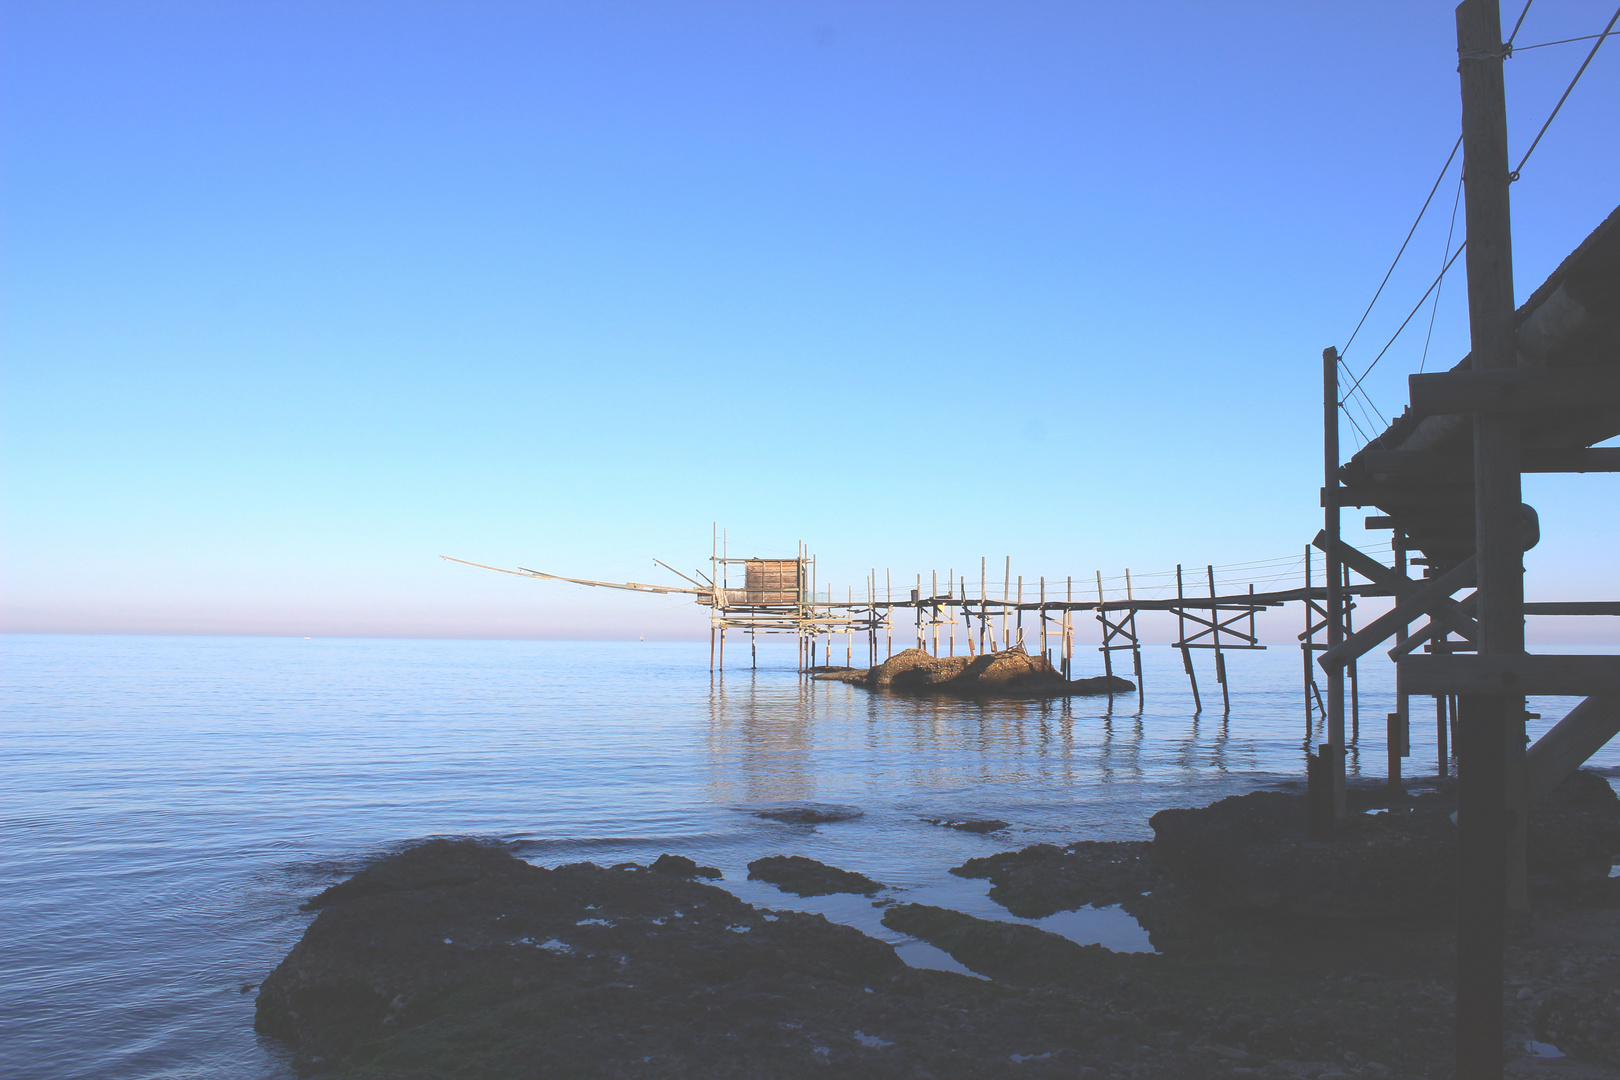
(1513, 389)
(1495, 675)
(1573, 607)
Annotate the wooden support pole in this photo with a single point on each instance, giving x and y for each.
(984, 604)
(1068, 631)
(1350, 670)
(933, 609)
(1136, 641)
(1186, 653)
(1215, 636)
(1398, 736)
(916, 602)
(1486, 726)
(1044, 656)
(1334, 766)
(1006, 595)
(967, 618)
(1102, 618)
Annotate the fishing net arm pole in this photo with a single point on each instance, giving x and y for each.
(627, 586)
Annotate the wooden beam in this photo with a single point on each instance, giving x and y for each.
(1432, 598)
(1573, 607)
(1497, 675)
(1459, 468)
(1513, 389)
(1393, 497)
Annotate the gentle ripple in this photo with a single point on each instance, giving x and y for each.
(168, 802)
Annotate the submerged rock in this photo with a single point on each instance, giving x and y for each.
(809, 814)
(1011, 673)
(807, 877)
(972, 825)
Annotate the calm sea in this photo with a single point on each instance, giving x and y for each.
(168, 802)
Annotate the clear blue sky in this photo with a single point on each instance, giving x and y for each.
(298, 297)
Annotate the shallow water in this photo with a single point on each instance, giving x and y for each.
(168, 802)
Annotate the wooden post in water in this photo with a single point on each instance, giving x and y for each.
(1215, 632)
(1186, 653)
(1068, 629)
(1102, 617)
(1136, 642)
(1305, 644)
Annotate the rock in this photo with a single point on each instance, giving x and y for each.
(809, 814)
(1249, 853)
(1574, 835)
(473, 963)
(971, 825)
(682, 867)
(1582, 1022)
(1044, 879)
(429, 864)
(807, 877)
(1011, 673)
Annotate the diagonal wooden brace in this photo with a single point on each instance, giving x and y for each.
(1585, 731)
(1414, 600)
(1433, 629)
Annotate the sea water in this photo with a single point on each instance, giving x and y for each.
(169, 802)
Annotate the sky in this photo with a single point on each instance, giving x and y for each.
(297, 297)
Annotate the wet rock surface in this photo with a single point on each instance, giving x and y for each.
(1011, 673)
(807, 877)
(457, 959)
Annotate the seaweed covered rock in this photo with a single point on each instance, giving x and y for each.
(1249, 853)
(807, 877)
(452, 959)
(1010, 673)
(1574, 835)
(1044, 879)
(682, 867)
(452, 933)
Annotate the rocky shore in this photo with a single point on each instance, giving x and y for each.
(1012, 673)
(1277, 957)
